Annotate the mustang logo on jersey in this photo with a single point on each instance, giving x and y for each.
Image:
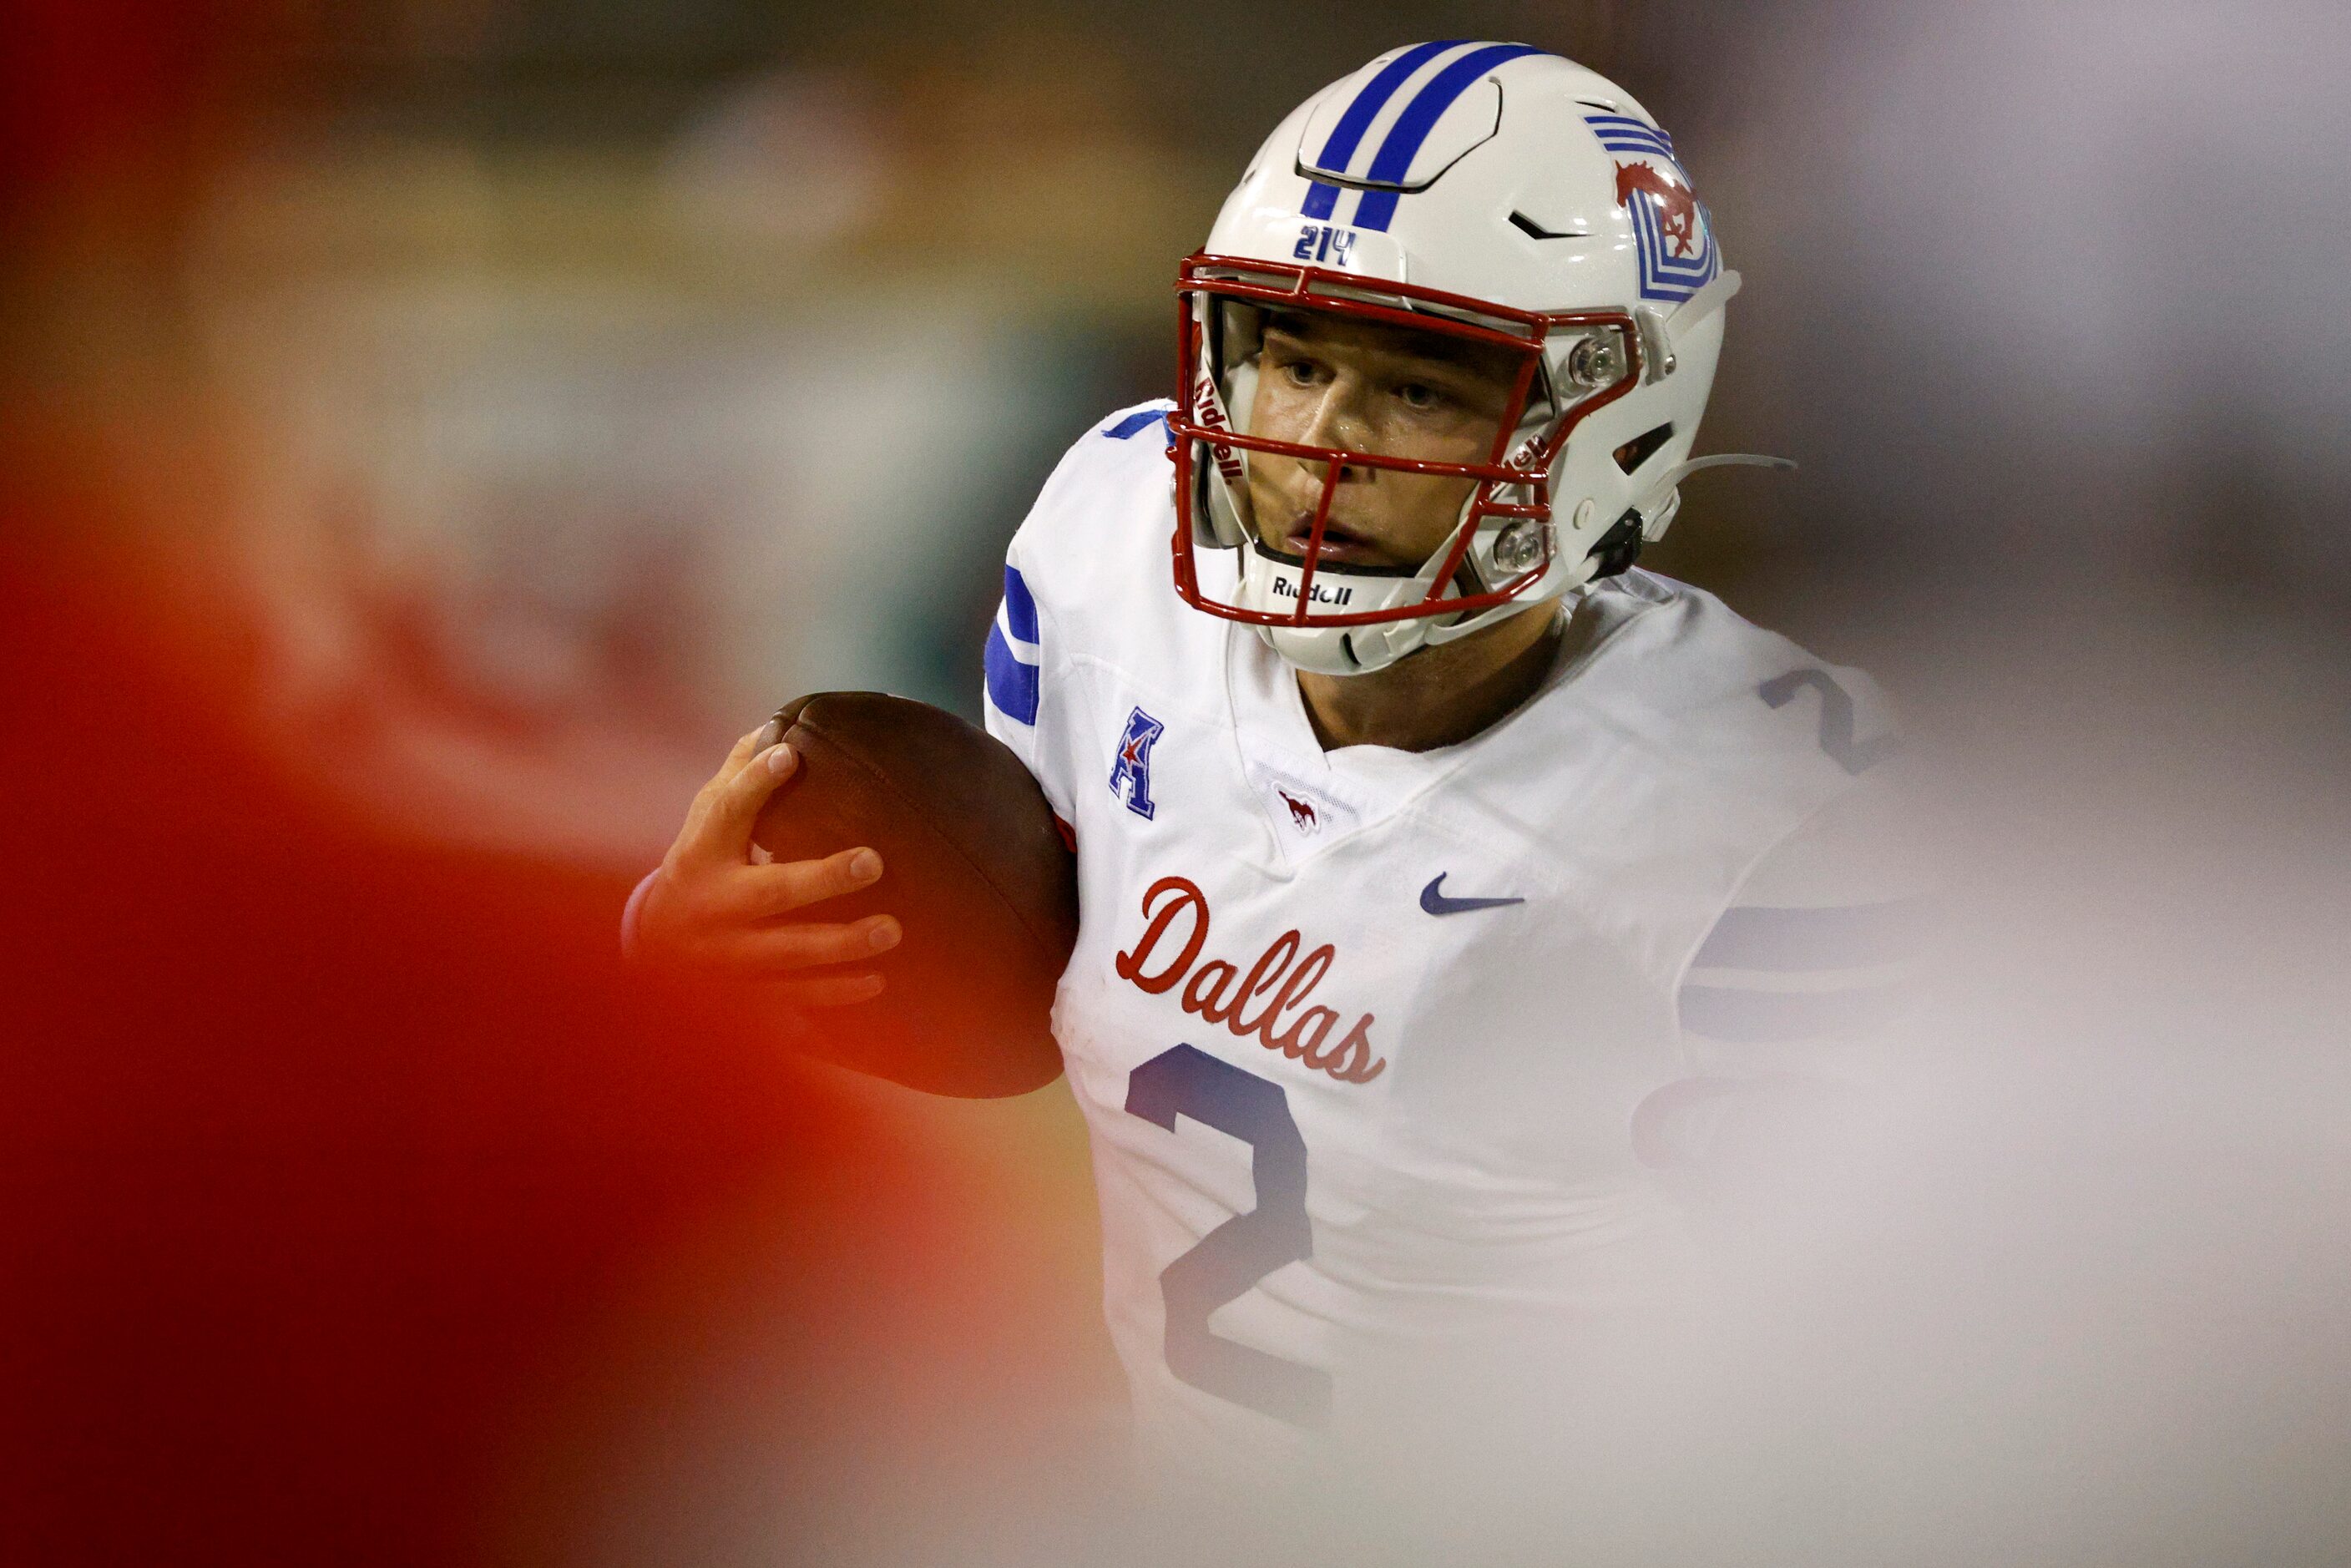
(1301, 812)
(1130, 776)
(1222, 993)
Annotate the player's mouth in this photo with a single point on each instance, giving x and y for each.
(1342, 546)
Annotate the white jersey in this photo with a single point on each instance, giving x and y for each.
(1380, 1052)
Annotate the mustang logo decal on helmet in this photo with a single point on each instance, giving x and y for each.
(1670, 230)
(1677, 204)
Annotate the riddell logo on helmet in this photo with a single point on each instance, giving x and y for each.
(1208, 413)
(1324, 593)
(1677, 204)
(1224, 993)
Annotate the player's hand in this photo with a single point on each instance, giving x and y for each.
(711, 909)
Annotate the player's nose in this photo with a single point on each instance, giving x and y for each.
(1339, 420)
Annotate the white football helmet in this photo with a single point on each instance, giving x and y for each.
(1489, 191)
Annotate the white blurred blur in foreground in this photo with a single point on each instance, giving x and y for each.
(2067, 1283)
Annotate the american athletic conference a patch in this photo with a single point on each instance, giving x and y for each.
(1130, 774)
(1671, 231)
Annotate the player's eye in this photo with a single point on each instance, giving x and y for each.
(1418, 396)
(1302, 372)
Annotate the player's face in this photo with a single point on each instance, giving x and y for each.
(1325, 380)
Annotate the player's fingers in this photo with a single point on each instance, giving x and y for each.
(718, 831)
(752, 743)
(779, 949)
(830, 991)
(786, 885)
(749, 743)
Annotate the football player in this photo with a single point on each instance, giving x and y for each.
(1443, 874)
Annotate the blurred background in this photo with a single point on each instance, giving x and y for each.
(435, 428)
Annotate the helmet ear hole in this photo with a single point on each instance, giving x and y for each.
(1642, 447)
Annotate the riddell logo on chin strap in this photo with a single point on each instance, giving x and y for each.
(1224, 993)
(1323, 593)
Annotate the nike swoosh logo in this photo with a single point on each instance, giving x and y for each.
(1434, 902)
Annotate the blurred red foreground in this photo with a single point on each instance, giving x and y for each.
(320, 1155)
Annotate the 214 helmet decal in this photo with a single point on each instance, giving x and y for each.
(1504, 202)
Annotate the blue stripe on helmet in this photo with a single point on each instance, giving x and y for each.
(1607, 124)
(1322, 196)
(1393, 160)
(1623, 133)
(1340, 151)
(1019, 605)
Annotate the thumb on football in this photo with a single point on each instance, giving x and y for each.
(719, 826)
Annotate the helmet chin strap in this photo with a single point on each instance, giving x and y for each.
(1681, 471)
(1273, 581)
(1662, 499)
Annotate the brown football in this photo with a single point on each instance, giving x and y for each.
(973, 865)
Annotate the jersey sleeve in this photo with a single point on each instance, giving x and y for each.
(1805, 980)
(1819, 945)
(1014, 670)
(1025, 660)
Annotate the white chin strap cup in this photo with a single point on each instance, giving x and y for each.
(1271, 582)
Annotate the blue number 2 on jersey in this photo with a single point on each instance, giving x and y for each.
(1189, 1082)
(1855, 757)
